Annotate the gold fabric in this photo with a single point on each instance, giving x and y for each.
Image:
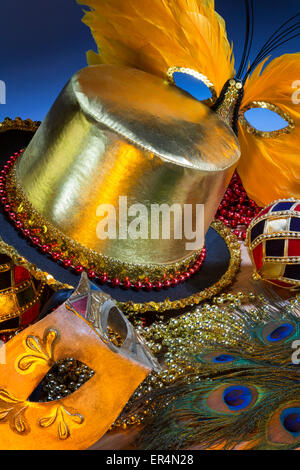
(116, 131)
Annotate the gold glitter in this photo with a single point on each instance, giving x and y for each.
(19, 124)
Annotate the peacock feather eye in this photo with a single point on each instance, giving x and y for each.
(290, 420)
(232, 398)
(281, 332)
(223, 359)
(237, 397)
(276, 332)
(216, 357)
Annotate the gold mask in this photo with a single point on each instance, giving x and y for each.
(80, 419)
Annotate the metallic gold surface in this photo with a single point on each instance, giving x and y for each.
(81, 255)
(114, 132)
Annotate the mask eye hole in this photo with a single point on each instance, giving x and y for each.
(266, 120)
(194, 83)
(63, 379)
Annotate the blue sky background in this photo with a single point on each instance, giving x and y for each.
(44, 42)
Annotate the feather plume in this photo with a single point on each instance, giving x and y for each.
(278, 156)
(245, 393)
(154, 35)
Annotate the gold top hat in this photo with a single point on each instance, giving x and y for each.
(116, 131)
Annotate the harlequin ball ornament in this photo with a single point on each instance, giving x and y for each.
(273, 242)
(20, 296)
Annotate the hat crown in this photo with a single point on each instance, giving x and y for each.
(116, 131)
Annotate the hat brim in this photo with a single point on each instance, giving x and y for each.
(218, 270)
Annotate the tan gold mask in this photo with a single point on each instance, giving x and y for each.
(80, 419)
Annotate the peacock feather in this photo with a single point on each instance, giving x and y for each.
(240, 386)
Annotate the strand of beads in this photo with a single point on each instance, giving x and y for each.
(236, 209)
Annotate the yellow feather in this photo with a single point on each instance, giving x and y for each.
(154, 35)
(270, 167)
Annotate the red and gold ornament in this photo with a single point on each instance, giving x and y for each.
(20, 297)
(273, 242)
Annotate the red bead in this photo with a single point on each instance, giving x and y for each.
(186, 275)
(115, 282)
(55, 255)
(126, 284)
(103, 279)
(7, 207)
(35, 240)
(67, 263)
(2, 179)
(91, 273)
(26, 232)
(45, 248)
(12, 216)
(148, 286)
(181, 278)
(174, 282)
(138, 285)
(167, 284)
(158, 285)
(19, 224)
(192, 271)
(79, 269)
(3, 173)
